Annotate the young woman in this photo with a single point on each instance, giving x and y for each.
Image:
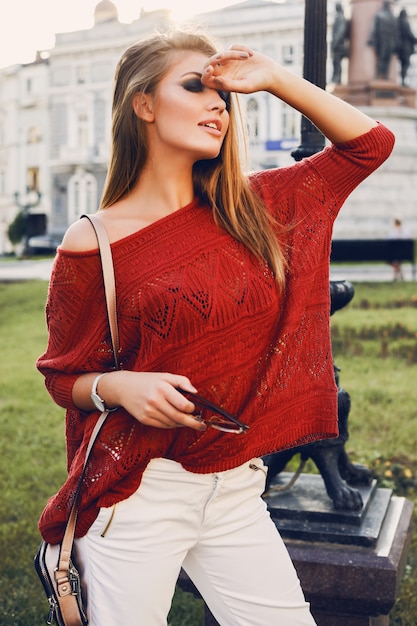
(222, 289)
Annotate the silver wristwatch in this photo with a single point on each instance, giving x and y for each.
(97, 401)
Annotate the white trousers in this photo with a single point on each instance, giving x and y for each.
(215, 526)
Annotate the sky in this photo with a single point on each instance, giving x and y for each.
(30, 25)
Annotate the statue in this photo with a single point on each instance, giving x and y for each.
(384, 38)
(340, 42)
(406, 43)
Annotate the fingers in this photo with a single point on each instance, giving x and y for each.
(237, 69)
(153, 399)
(235, 52)
(170, 409)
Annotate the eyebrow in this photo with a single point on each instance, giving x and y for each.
(198, 74)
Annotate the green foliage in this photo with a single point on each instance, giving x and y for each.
(373, 345)
(17, 228)
(186, 610)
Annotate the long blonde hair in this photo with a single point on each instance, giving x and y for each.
(219, 182)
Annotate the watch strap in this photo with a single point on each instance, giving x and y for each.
(94, 392)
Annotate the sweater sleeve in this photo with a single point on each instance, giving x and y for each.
(353, 161)
(76, 317)
(327, 178)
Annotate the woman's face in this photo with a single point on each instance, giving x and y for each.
(188, 118)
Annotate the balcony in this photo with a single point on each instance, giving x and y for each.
(76, 155)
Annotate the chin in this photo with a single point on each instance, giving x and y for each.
(209, 155)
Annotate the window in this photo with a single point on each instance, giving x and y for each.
(34, 135)
(102, 71)
(99, 121)
(252, 111)
(59, 133)
(33, 178)
(289, 122)
(82, 194)
(90, 196)
(81, 74)
(288, 54)
(60, 75)
(82, 123)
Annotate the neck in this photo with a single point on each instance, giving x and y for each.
(161, 191)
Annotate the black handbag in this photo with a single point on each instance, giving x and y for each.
(55, 563)
(62, 584)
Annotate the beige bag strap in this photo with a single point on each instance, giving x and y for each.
(109, 282)
(61, 574)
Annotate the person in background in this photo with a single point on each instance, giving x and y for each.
(398, 231)
(222, 283)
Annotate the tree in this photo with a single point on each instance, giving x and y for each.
(17, 229)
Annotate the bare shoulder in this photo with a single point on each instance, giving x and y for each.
(80, 237)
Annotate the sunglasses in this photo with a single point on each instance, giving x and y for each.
(221, 420)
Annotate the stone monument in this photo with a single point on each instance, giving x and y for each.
(406, 44)
(373, 60)
(340, 42)
(379, 87)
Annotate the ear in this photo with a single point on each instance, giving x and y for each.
(143, 106)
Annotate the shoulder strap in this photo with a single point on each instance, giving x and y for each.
(110, 292)
(109, 282)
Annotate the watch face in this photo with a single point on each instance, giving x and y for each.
(97, 401)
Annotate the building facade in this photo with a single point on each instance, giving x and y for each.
(55, 113)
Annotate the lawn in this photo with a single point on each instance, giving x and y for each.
(375, 345)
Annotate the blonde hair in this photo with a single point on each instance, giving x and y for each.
(220, 182)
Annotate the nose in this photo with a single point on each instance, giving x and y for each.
(217, 102)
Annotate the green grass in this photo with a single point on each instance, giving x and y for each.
(375, 346)
(374, 339)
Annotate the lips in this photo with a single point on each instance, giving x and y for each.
(213, 124)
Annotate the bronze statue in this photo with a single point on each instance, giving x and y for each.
(384, 38)
(406, 43)
(340, 42)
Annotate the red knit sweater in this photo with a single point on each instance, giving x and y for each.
(192, 300)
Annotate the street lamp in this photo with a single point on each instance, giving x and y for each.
(314, 70)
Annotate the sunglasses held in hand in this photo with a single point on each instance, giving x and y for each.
(219, 418)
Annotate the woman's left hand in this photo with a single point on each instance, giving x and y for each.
(239, 69)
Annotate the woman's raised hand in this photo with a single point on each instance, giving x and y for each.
(243, 70)
(239, 69)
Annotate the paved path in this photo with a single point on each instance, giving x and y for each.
(367, 273)
(29, 269)
(25, 269)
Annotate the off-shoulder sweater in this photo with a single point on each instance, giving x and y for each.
(193, 300)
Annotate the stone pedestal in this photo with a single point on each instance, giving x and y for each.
(390, 192)
(306, 513)
(377, 93)
(350, 563)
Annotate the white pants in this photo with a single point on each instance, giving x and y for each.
(215, 526)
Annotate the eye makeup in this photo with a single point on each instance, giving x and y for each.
(194, 85)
